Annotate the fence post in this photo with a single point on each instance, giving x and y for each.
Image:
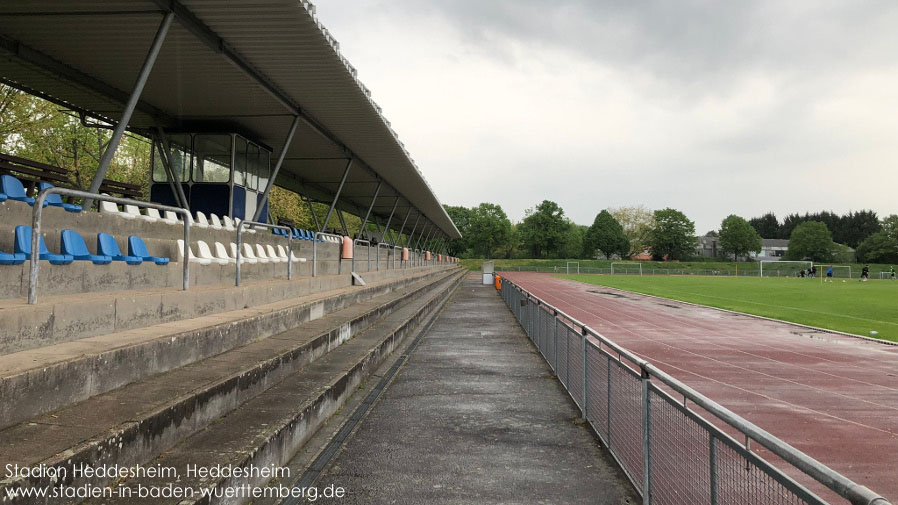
(555, 319)
(646, 440)
(608, 404)
(712, 464)
(585, 396)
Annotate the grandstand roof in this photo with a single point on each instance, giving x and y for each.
(247, 66)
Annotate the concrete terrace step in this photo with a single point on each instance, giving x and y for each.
(64, 318)
(135, 423)
(270, 428)
(40, 380)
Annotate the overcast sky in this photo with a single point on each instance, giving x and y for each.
(708, 107)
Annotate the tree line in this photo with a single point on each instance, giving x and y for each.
(667, 234)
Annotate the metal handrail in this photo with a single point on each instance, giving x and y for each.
(367, 253)
(36, 230)
(243, 224)
(315, 251)
(855, 493)
(377, 254)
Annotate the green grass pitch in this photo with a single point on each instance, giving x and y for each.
(852, 306)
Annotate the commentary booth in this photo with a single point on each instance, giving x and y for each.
(221, 173)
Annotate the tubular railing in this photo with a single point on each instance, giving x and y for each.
(671, 453)
(239, 257)
(315, 252)
(37, 213)
(377, 255)
(367, 252)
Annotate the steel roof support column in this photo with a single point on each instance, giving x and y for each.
(404, 221)
(314, 214)
(177, 189)
(277, 168)
(421, 235)
(330, 211)
(408, 239)
(387, 226)
(343, 223)
(368, 214)
(112, 147)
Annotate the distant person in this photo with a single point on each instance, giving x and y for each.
(801, 273)
(865, 273)
(556, 269)
(829, 274)
(892, 273)
(813, 270)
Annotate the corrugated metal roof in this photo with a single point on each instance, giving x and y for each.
(87, 54)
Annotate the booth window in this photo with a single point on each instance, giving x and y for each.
(180, 147)
(213, 158)
(239, 161)
(252, 166)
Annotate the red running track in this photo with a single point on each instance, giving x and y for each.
(833, 397)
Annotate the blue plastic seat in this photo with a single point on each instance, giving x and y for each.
(74, 245)
(11, 258)
(296, 233)
(55, 200)
(107, 246)
(14, 190)
(3, 197)
(23, 246)
(137, 248)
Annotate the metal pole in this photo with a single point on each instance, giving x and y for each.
(370, 207)
(277, 168)
(337, 195)
(712, 465)
(387, 226)
(404, 222)
(646, 440)
(585, 396)
(421, 235)
(408, 238)
(166, 156)
(119, 130)
(343, 222)
(314, 214)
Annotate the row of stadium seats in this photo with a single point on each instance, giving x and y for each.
(12, 189)
(305, 235)
(75, 249)
(251, 254)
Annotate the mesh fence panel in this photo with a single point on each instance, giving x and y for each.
(680, 466)
(563, 354)
(743, 482)
(625, 439)
(597, 391)
(575, 366)
(546, 331)
(550, 343)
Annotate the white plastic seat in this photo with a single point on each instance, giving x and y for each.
(228, 223)
(274, 256)
(191, 257)
(153, 213)
(246, 229)
(249, 253)
(221, 252)
(282, 252)
(243, 257)
(201, 221)
(111, 208)
(203, 251)
(171, 218)
(134, 210)
(263, 256)
(214, 222)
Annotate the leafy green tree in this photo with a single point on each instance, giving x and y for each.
(890, 226)
(606, 235)
(461, 216)
(488, 229)
(767, 225)
(543, 229)
(811, 240)
(738, 237)
(637, 222)
(673, 236)
(878, 248)
(572, 244)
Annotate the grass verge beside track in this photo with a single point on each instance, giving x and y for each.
(852, 306)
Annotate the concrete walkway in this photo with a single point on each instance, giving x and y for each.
(475, 416)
